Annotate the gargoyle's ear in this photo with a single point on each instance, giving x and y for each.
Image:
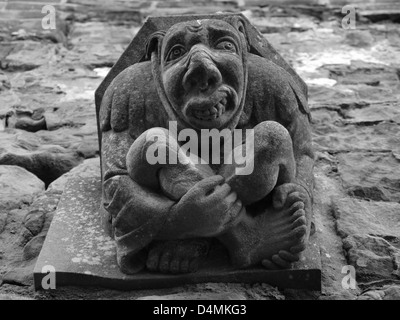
(240, 25)
(154, 43)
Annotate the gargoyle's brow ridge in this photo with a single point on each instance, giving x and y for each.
(219, 32)
(195, 28)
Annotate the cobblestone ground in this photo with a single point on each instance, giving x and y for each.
(48, 127)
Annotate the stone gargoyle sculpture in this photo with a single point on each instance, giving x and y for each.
(199, 75)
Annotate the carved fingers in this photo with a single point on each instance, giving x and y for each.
(207, 185)
(210, 205)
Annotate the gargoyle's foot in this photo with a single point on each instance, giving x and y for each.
(177, 256)
(131, 263)
(276, 238)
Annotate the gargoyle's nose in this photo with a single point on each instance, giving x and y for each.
(202, 74)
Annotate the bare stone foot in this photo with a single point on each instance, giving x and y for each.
(180, 256)
(276, 237)
(131, 263)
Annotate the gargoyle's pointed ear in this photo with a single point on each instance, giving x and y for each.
(154, 43)
(240, 25)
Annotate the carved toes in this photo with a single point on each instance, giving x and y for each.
(176, 256)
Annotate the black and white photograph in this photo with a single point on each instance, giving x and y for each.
(189, 153)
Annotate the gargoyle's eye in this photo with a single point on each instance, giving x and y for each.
(176, 52)
(226, 45)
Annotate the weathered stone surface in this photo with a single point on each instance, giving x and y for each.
(28, 55)
(76, 113)
(33, 247)
(41, 154)
(392, 293)
(34, 221)
(373, 257)
(358, 38)
(373, 176)
(332, 253)
(198, 296)
(266, 22)
(31, 29)
(27, 121)
(14, 297)
(9, 99)
(3, 219)
(41, 211)
(387, 111)
(370, 233)
(22, 276)
(387, 292)
(361, 72)
(372, 295)
(101, 43)
(4, 82)
(45, 165)
(366, 217)
(49, 98)
(327, 136)
(18, 186)
(89, 168)
(40, 215)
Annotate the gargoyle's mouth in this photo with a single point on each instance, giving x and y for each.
(211, 113)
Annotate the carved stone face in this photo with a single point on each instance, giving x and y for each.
(202, 72)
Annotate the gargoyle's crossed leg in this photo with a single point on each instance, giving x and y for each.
(275, 235)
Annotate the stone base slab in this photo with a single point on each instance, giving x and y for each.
(82, 254)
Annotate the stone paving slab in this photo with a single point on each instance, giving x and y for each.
(83, 255)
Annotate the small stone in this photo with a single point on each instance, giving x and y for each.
(34, 221)
(46, 165)
(18, 186)
(26, 121)
(359, 38)
(25, 237)
(33, 247)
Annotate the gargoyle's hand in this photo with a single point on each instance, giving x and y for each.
(208, 208)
